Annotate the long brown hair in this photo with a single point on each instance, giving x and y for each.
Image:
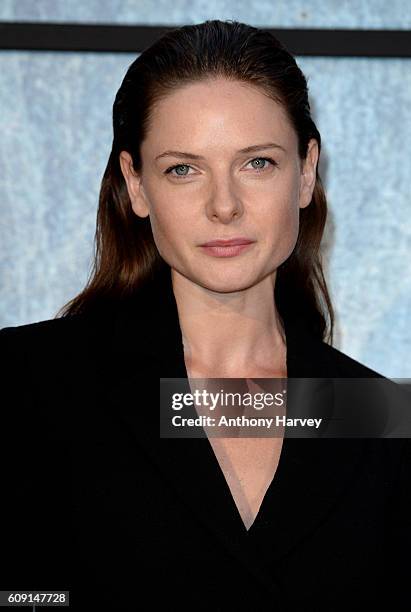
(125, 252)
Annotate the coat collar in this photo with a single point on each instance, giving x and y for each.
(147, 345)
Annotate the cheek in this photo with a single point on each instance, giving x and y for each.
(289, 221)
(167, 229)
(159, 211)
(281, 226)
(282, 220)
(287, 211)
(171, 216)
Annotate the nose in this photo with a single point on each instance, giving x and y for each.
(224, 203)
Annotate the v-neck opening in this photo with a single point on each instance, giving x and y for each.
(227, 495)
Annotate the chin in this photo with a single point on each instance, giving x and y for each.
(228, 284)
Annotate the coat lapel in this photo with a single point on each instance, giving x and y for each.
(312, 473)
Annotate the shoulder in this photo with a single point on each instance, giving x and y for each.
(51, 342)
(312, 357)
(42, 334)
(33, 353)
(50, 361)
(41, 329)
(343, 365)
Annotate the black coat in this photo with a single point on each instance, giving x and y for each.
(95, 502)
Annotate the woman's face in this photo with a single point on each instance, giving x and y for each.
(217, 190)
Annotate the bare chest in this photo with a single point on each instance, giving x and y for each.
(249, 466)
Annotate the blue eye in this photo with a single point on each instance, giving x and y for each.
(258, 168)
(265, 159)
(168, 171)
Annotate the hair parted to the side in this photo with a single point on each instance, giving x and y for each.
(125, 251)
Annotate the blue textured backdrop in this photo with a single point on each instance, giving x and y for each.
(55, 121)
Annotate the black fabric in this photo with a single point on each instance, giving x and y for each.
(95, 502)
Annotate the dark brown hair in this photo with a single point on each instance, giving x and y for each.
(125, 251)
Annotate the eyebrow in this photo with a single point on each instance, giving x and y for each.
(258, 147)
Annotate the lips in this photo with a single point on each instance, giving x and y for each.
(227, 243)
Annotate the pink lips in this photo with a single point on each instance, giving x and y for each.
(231, 242)
(227, 248)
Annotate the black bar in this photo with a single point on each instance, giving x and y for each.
(136, 38)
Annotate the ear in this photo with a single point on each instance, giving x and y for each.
(134, 186)
(308, 173)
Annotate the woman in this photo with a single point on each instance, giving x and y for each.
(213, 142)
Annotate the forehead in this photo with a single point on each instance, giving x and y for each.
(217, 113)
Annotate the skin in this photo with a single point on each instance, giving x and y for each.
(228, 318)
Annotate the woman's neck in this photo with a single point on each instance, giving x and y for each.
(236, 334)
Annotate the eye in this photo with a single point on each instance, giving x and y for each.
(260, 167)
(177, 166)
